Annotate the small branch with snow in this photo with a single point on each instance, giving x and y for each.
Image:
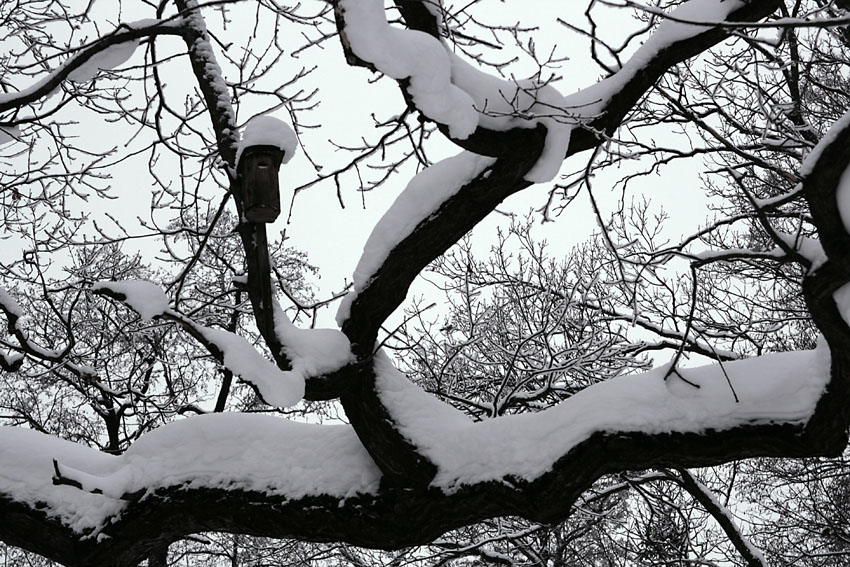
(106, 52)
(724, 518)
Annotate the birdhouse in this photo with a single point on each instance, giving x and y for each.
(258, 167)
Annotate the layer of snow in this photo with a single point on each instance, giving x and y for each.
(268, 131)
(144, 297)
(423, 195)
(413, 55)
(277, 387)
(591, 101)
(842, 198)
(520, 104)
(828, 138)
(842, 301)
(780, 387)
(230, 451)
(9, 134)
(108, 59)
(9, 304)
(312, 352)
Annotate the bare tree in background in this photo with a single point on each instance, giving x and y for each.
(142, 357)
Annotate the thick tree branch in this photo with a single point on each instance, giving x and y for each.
(394, 517)
(521, 148)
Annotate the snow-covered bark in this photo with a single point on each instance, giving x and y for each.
(108, 52)
(410, 467)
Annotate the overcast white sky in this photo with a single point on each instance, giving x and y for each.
(333, 237)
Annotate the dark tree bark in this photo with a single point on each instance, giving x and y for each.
(407, 510)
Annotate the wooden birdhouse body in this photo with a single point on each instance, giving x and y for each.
(258, 168)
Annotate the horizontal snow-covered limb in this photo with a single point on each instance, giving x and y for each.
(232, 451)
(775, 388)
(423, 195)
(144, 297)
(311, 352)
(106, 52)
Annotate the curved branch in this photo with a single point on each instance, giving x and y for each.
(391, 517)
(123, 34)
(521, 148)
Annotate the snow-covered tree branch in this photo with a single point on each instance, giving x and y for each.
(171, 368)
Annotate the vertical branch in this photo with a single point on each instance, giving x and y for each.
(253, 235)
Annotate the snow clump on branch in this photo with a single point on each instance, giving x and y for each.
(144, 297)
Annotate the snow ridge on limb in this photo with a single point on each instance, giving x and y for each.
(144, 297)
(86, 488)
(277, 387)
(412, 55)
(312, 352)
(104, 53)
(280, 388)
(775, 388)
(424, 194)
